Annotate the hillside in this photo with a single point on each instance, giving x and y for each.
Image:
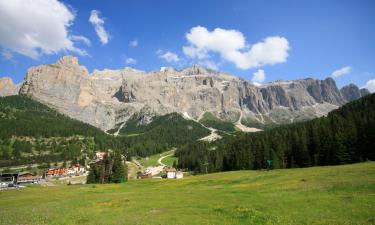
(318, 195)
(34, 133)
(346, 135)
(162, 133)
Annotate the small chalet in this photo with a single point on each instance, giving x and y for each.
(77, 169)
(172, 173)
(27, 178)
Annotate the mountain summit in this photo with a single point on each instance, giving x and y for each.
(108, 98)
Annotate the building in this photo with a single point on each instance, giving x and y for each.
(27, 178)
(77, 169)
(8, 180)
(57, 172)
(171, 173)
(100, 155)
(179, 175)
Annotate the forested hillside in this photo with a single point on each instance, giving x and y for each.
(31, 132)
(164, 132)
(346, 135)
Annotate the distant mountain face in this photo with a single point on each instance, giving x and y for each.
(7, 88)
(108, 98)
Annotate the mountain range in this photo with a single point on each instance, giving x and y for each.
(107, 99)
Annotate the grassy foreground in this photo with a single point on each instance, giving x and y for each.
(320, 195)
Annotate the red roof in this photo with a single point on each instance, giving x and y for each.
(171, 169)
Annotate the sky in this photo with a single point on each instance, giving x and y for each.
(260, 41)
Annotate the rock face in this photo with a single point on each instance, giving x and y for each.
(108, 98)
(7, 87)
(351, 92)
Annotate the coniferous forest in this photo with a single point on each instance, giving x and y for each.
(346, 135)
(31, 132)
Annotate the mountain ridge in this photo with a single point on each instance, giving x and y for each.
(108, 98)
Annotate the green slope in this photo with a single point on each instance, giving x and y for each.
(164, 132)
(319, 195)
(31, 132)
(34, 133)
(209, 120)
(346, 135)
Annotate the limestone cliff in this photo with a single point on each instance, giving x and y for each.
(108, 98)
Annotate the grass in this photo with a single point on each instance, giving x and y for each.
(153, 159)
(318, 195)
(169, 160)
(210, 120)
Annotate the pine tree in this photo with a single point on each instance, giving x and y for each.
(118, 170)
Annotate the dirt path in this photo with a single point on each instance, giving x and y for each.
(163, 157)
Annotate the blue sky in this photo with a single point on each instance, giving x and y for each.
(306, 38)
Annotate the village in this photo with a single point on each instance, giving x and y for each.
(78, 173)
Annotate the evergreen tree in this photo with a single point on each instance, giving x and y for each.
(118, 170)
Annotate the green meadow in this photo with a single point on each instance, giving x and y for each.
(318, 195)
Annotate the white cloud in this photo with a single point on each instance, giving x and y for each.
(36, 27)
(98, 24)
(258, 77)
(370, 85)
(7, 55)
(130, 61)
(231, 46)
(168, 56)
(342, 71)
(133, 43)
(80, 38)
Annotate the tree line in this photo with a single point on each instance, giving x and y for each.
(345, 135)
(111, 169)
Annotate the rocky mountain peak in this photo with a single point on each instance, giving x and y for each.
(68, 61)
(196, 70)
(108, 98)
(7, 87)
(351, 92)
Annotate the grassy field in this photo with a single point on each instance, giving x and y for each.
(320, 195)
(153, 159)
(169, 160)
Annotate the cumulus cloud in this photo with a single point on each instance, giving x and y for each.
(168, 56)
(370, 85)
(133, 43)
(130, 61)
(258, 77)
(231, 46)
(98, 24)
(36, 27)
(342, 71)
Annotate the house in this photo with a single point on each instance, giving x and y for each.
(76, 170)
(171, 173)
(57, 172)
(27, 178)
(100, 155)
(179, 175)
